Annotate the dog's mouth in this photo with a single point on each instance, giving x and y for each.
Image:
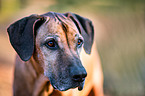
(80, 87)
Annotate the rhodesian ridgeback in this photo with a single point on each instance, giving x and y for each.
(48, 60)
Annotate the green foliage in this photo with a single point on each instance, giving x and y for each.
(8, 7)
(73, 2)
(96, 5)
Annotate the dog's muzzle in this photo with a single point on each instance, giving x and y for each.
(78, 76)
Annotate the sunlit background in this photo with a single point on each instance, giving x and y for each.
(120, 38)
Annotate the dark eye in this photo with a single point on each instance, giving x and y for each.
(80, 42)
(51, 44)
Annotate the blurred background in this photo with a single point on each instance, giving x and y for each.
(120, 37)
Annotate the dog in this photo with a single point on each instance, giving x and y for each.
(48, 60)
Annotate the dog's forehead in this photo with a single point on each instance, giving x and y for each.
(55, 26)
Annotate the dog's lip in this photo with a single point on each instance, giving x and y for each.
(54, 87)
(78, 85)
(81, 86)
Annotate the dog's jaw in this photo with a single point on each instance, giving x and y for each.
(80, 87)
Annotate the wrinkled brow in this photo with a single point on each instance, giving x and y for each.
(64, 27)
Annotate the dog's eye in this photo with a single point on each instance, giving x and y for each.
(51, 44)
(80, 42)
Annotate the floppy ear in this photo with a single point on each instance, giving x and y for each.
(21, 35)
(85, 27)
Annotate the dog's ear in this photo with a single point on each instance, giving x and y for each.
(85, 27)
(21, 35)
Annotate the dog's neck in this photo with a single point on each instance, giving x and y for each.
(36, 66)
(41, 81)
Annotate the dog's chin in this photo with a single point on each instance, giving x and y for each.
(66, 87)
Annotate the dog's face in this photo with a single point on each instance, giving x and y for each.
(57, 43)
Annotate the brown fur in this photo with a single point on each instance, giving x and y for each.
(30, 77)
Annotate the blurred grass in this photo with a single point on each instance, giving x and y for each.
(123, 54)
(8, 8)
(121, 45)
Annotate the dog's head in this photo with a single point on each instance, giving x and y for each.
(55, 41)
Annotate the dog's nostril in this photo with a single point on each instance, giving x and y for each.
(79, 78)
(84, 75)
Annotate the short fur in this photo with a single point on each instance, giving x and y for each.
(39, 65)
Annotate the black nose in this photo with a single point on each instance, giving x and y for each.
(79, 75)
(79, 78)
